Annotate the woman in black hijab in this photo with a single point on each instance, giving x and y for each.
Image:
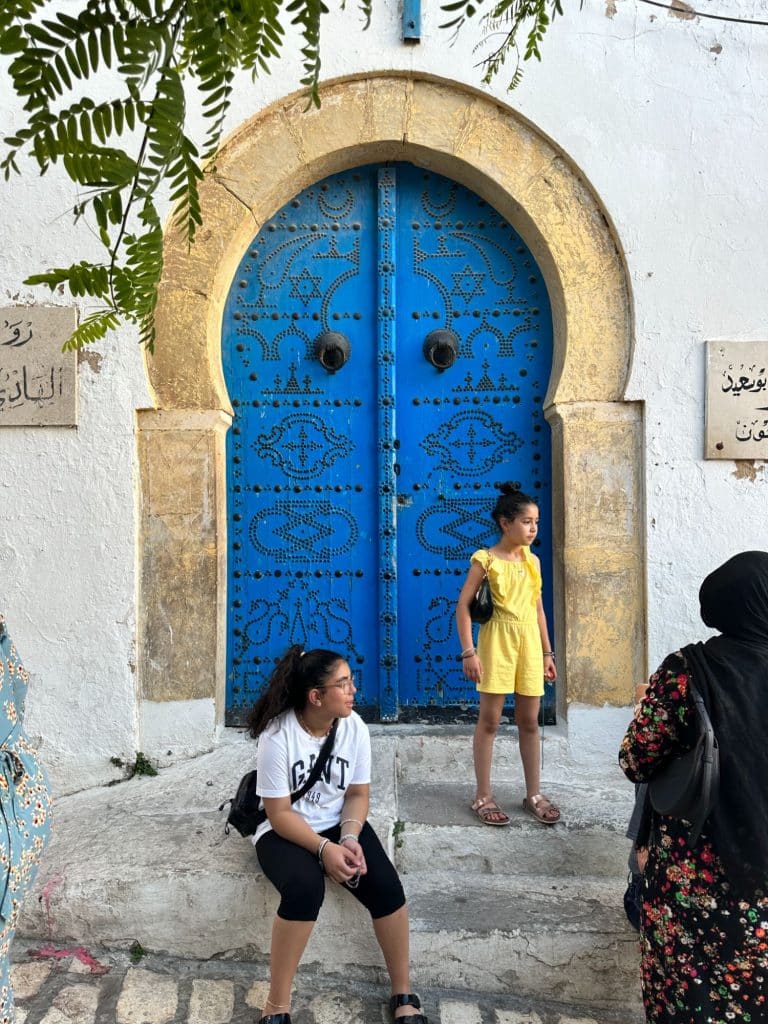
(704, 924)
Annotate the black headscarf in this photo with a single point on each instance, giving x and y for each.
(734, 685)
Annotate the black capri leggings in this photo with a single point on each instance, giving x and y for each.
(298, 877)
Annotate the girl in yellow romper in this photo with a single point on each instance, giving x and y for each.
(513, 653)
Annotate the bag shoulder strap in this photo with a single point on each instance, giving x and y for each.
(697, 665)
(320, 763)
(710, 774)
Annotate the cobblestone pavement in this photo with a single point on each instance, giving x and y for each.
(56, 985)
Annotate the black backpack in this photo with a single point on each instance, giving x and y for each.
(244, 813)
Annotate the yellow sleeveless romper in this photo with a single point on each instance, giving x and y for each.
(509, 644)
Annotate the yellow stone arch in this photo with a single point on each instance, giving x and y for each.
(597, 453)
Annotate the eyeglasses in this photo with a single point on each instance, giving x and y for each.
(346, 686)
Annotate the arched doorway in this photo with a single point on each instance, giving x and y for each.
(387, 346)
(597, 436)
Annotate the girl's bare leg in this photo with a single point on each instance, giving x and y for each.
(527, 719)
(489, 716)
(392, 935)
(289, 940)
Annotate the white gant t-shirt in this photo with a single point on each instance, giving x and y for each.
(285, 757)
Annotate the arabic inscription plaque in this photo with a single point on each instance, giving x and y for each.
(38, 382)
(737, 400)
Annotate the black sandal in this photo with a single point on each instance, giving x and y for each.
(407, 999)
(276, 1018)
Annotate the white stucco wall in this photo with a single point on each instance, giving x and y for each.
(668, 120)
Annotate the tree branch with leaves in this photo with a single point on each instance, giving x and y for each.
(501, 26)
(122, 153)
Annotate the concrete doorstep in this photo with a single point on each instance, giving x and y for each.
(526, 911)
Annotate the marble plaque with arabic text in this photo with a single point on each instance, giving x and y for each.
(737, 400)
(38, 382)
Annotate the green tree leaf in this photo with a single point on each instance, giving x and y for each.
(123, 152)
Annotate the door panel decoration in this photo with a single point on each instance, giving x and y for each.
(470, 443)
(361, 475)
(302, 445)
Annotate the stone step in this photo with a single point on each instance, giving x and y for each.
(442, 753)
(436, 826)
(148, 860)
(538, 937)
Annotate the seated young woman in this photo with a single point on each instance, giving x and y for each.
(325, 832)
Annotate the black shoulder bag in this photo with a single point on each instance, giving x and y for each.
(244, 813)
(481, 605)
(638, 832)
(687, 786)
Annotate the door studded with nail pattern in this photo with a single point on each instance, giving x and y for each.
(387, 343)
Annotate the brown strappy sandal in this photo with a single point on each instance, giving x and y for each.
(485, 806)
(542, 809)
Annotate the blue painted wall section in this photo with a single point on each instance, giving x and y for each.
(356, 497)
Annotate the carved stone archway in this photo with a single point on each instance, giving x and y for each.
(597, 453)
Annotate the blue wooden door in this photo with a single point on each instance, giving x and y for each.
(358, 489)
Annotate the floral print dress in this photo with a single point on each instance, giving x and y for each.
(24, 809)
(704, 952)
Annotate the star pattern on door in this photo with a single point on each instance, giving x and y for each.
(468, 283)
(305, 286)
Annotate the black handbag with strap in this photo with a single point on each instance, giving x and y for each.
(481, 605)
(633, 899)
(687, 786)
(245, 815)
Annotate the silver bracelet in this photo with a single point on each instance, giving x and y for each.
(348, 835)
(354, 821)
(323, 843)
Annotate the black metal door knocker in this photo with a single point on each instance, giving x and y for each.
(441, 348)
(332, 349)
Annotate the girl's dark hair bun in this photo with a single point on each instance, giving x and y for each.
(510, 487)
(511, 502)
